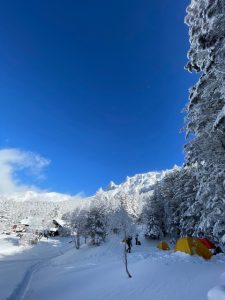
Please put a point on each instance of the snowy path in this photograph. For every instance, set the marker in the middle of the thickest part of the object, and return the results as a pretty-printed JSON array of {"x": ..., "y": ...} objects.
[
  {"x": 23, "y": 287},
  {"x": 18, "y": 264},
  {"x": 20, "y": 291}
]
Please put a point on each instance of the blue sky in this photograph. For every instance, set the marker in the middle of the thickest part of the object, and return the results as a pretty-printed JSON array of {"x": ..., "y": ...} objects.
[{"x": 95, "y": 87}]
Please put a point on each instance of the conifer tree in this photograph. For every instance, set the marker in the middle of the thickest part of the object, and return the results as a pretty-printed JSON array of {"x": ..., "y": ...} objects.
[{"x": 205, "y": 112}]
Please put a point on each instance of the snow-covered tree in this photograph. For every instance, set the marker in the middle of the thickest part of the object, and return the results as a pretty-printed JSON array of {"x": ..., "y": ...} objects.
[
  {"x": 153, "y": 214},
  {"x": 96, "y": 221},
  {"x": 120, "y": 218},
  {"x": 205, "y": 112},
  {"x": 75, "y": 220},
  {"x": 188, "y": 212}
]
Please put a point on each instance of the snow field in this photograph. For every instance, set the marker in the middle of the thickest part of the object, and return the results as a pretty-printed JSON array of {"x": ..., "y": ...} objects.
[{"x": 54, "y": 269}]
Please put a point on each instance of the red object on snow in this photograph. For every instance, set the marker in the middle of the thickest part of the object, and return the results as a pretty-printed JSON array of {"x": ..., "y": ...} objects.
[{"x": 207, "y": 243}]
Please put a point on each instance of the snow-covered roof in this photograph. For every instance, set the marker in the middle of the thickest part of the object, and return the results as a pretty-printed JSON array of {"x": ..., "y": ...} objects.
[
  {"x": 54, "y": 229},
  {"x": 27, "y": 221},
  {"x": 59, "y": 221}
]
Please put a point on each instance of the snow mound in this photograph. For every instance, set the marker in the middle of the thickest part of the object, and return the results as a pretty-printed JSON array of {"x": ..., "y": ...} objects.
[{"x": 217, "y": 293}]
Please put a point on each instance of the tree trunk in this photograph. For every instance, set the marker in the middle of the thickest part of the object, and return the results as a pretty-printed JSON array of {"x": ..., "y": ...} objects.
[
  {"x": 77, "y": 241},
  {"x": 125, "y": 256}
]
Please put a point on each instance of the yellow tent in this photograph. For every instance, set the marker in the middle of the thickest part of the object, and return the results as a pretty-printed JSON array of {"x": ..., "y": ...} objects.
[
  {"x": 192, "y": 246},
  {"x": 163, "y": 246}
]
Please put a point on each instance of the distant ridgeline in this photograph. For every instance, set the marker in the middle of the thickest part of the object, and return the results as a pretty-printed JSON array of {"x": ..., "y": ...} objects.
[{"x": 47, "y": 206}]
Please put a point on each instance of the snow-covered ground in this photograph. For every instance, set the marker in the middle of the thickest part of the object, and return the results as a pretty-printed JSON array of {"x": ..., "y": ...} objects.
[
  {"x": 54, "y": 269},
  {"x": 17, "y": 263}
]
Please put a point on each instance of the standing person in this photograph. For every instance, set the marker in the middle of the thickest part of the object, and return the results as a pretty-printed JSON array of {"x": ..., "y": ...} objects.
[
  {"x": 129, "y": 244},
  {"x": 136, "y": 240},
  {"x": 46, "y": 234}
]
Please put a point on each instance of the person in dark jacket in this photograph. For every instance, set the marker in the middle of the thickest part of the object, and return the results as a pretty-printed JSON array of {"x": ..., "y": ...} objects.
[
  {"x": 217, "y": 250},
  {"x": 129, "y": 243},
  {"x": 136, "y": 240}
]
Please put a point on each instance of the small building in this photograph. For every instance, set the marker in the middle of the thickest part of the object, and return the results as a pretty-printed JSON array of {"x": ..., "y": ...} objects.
[
  {"x": 33, "y": 223},
  {"x": 54, "y": 231},
  {"x": 18, "y": 228},
  {"x": 57, "y": 227}
]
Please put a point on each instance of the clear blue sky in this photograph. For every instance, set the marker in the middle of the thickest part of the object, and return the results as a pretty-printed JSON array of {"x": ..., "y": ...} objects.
[{"x": 97, "y": 87}]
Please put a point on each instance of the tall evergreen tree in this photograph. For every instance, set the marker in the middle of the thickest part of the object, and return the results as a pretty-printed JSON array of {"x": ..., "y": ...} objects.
[{"x": 205, "y": 112}]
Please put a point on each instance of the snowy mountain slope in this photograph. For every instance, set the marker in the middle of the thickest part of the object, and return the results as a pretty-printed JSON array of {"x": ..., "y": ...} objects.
[
  {"x": 44, "y": 206},
  {"x": 134, "y": 191},
  {"x": 17, "y": 206},
  {"x": 140, "y": 183}
]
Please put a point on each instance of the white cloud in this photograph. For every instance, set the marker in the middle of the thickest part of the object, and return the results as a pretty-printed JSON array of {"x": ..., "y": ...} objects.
[{"x": 14, "y": 160}]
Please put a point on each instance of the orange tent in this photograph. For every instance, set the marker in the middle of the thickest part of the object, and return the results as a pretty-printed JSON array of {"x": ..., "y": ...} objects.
[
  {"x": 207, "y": 243},
  {"x": 163, "y": 246},
  {"x": 192, "y": 246}
]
